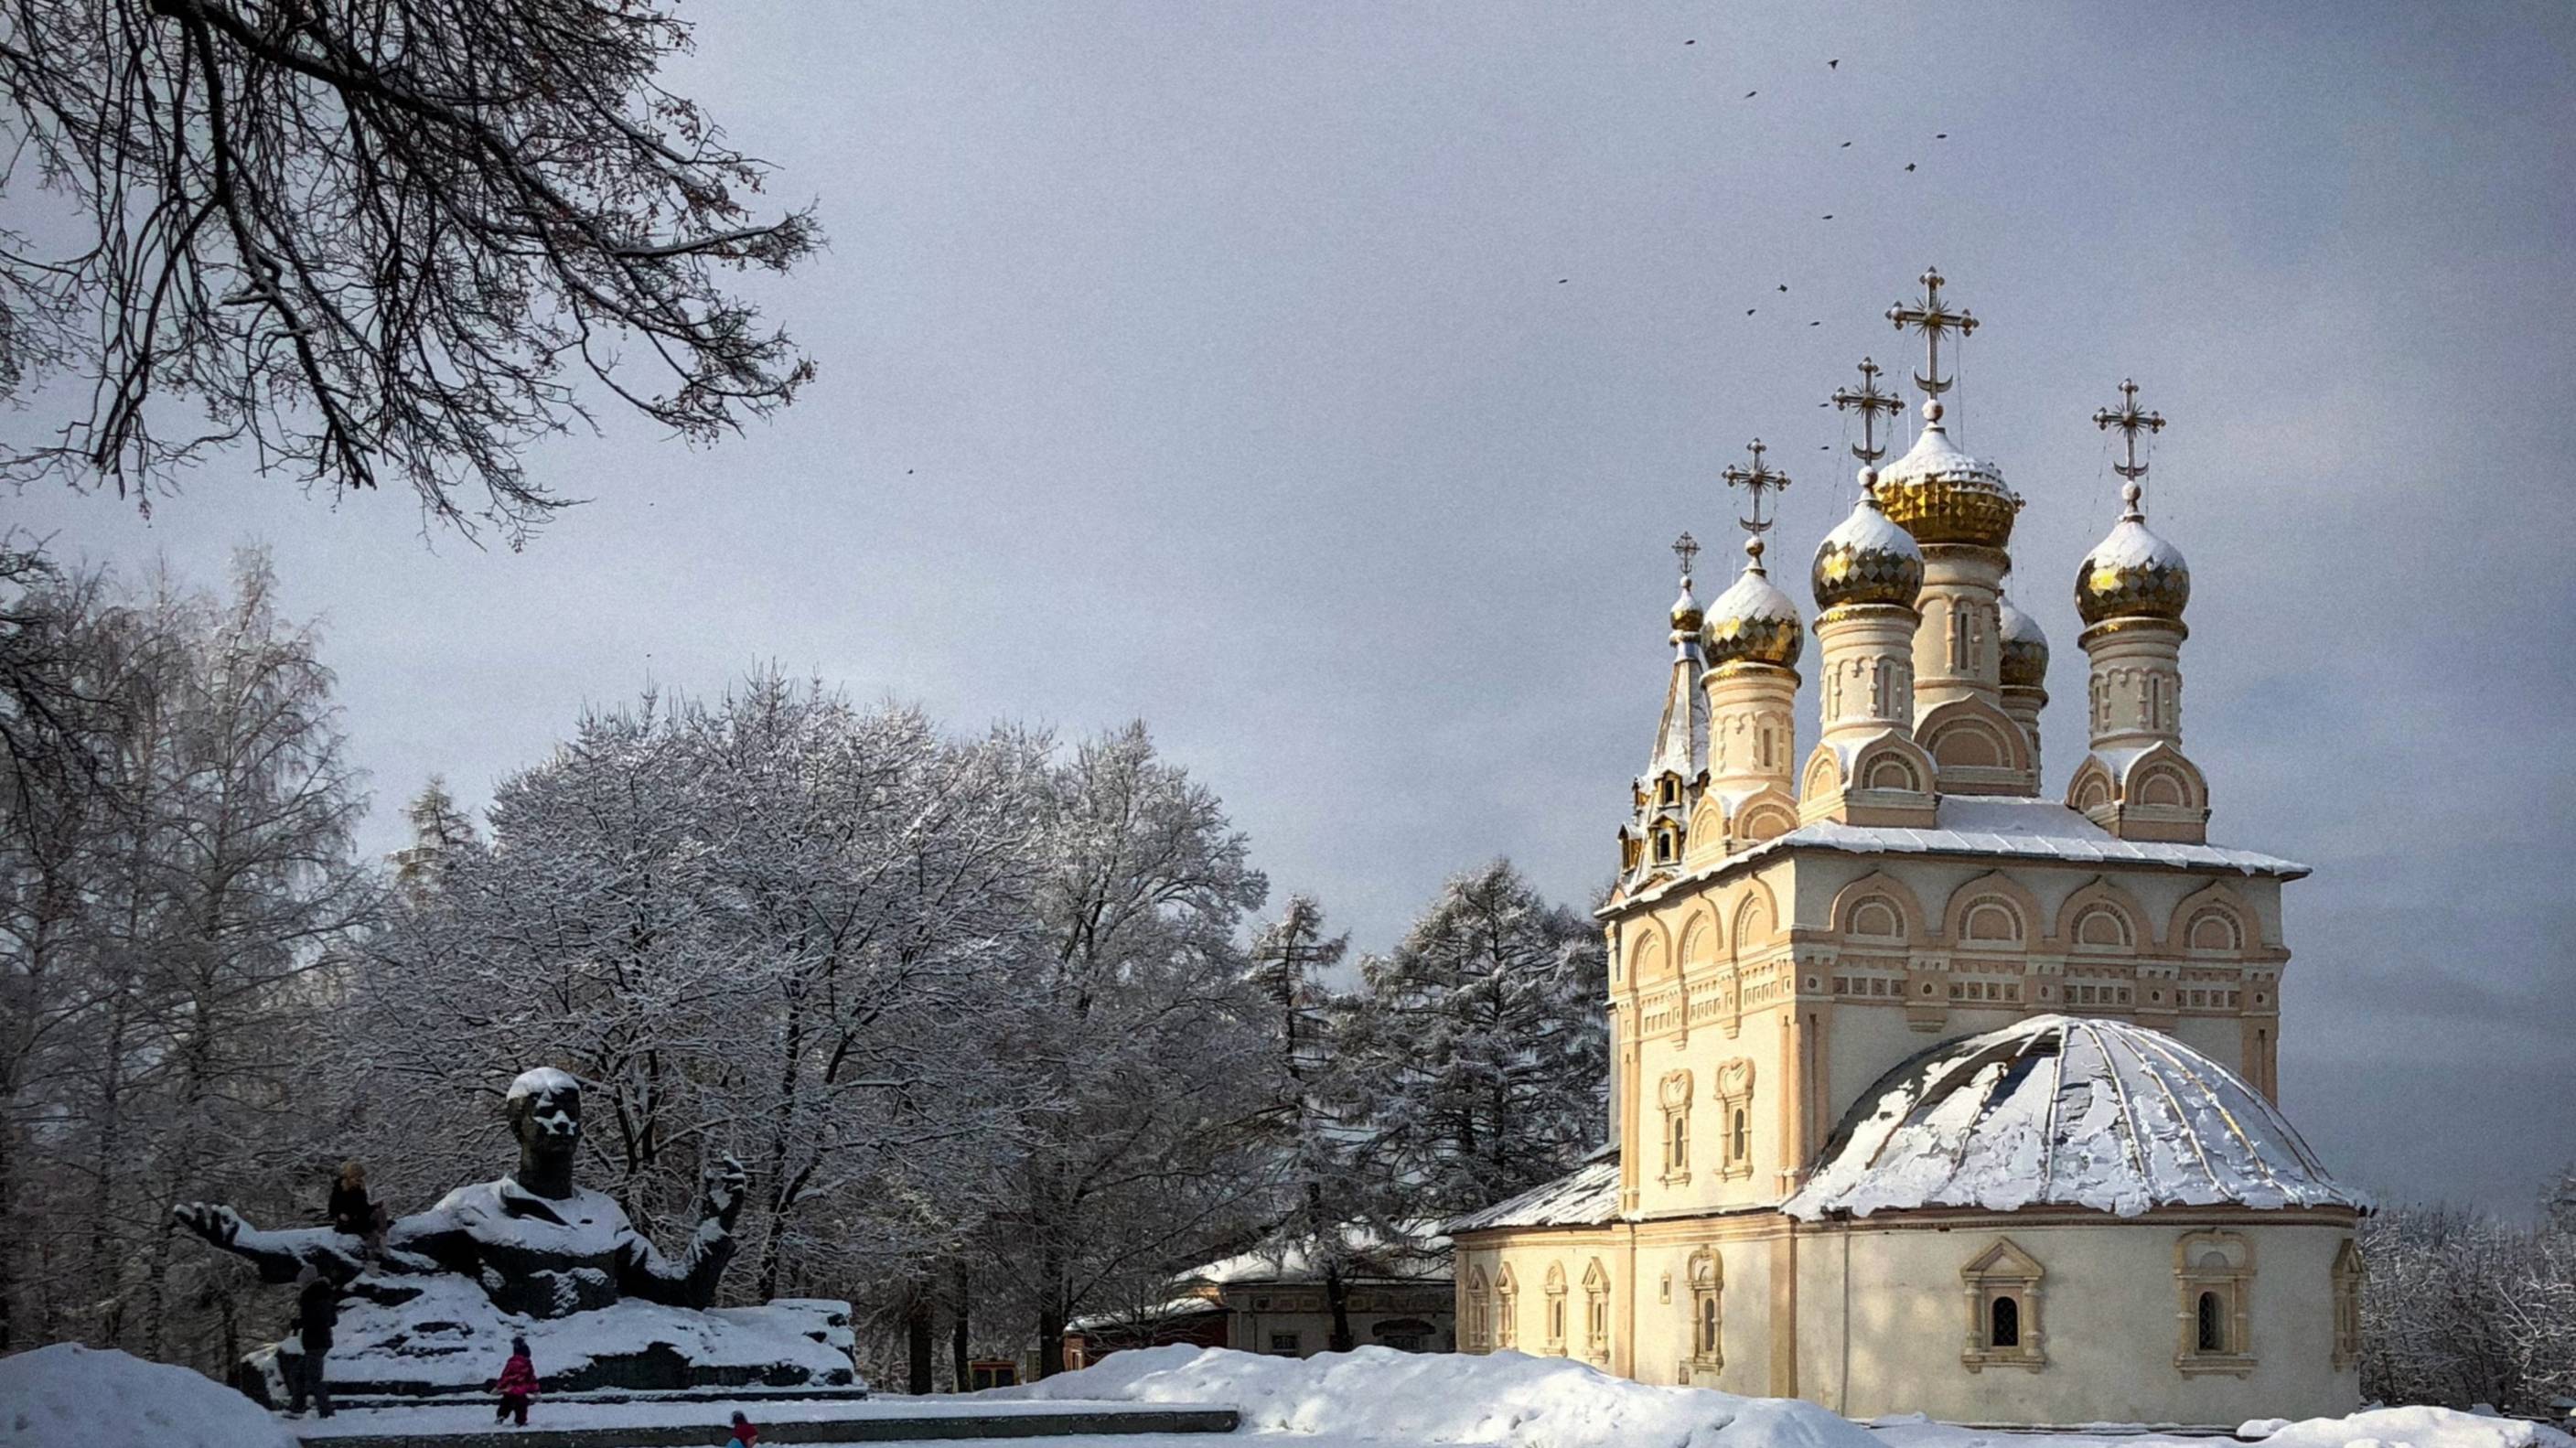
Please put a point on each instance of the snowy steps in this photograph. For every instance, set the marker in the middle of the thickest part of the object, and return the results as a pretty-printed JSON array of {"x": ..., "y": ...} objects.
[{"x": 868, "y": 1423}]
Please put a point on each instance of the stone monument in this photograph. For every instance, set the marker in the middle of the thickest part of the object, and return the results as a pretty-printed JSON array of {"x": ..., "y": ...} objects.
[{"x": 535, "y": 1256}]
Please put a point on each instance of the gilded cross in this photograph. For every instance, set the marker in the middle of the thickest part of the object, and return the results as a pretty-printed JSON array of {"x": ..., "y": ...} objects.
[
  {"x": 1871, "y": 403},
  {"x": 1686, "y": 548},
  {"x": 1932, "y": 316},
  {"x": 1757, "y": 481},
  {"x": 2129, "y": 421}
]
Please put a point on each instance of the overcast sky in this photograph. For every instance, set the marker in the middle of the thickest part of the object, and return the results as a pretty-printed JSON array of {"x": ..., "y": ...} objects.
[{"x": 1322, "y": 384}]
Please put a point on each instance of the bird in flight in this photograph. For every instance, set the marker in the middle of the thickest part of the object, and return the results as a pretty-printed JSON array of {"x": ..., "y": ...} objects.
[
  {"x": 1941, "y": 135},
  {"x": 1748, "y": 95},
  {"x": 1748, "y": 311},
  {"x": 1831, "y": 64},
  {"x": 1846, "y": 145},
  {"x": 1784, "y": 286},
  {"x": 1815, "y": 324},
  {"x": 1560, "y": 281},
  {"x": 1829, "y": 216},
  {"x": 1909, "y": 165}
]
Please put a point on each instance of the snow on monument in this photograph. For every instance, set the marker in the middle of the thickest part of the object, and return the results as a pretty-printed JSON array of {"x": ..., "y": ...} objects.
[{"x": 531, "y": 1254}]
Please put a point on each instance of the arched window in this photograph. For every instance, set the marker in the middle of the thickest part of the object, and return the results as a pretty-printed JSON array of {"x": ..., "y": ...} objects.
[
  {"x": 1507, "y": 1310},
  {"x": 1480, "y": 1312},
  {"x": 1556, "y": 1309},
  {"x": 1733, "y": 1088},
  {"x": 1673, "y": 1093},
  {"x": 2003, "y": 1295},
  {"x": 1707, "y": 1280},
  {"x": 2214, "y": 1272},
  {"x": 2347, "y": 1305},
  {"x": 1596, "y": 1312}
]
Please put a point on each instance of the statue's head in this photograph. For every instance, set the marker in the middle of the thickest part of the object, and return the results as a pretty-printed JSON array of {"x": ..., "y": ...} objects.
[{"x": 545, "y": 1114}]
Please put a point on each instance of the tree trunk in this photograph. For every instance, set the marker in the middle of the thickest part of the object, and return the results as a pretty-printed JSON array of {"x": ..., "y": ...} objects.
[
  {"x": 916, "y": 1332},
  {"x": 1050, "y": 1340},
  {"x": 791, "y": 1069},
  {"x": 1337, "y": 1296},
  {"x": 1051, "y": 1312},
  {"x": 9, "y": 1237},
  {"x": 960, "y": 1359}
]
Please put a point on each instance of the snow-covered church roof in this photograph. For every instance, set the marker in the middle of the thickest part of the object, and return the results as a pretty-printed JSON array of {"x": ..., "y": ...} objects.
[
  {"x": 2030, "y": 829},
  {"x": 2064, "y": 1111},
  {"x": 1584, "y": 1197}
]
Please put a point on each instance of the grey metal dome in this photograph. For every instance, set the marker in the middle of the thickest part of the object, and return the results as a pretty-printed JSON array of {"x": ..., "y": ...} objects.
[{"x": 2064, "y": 1111}]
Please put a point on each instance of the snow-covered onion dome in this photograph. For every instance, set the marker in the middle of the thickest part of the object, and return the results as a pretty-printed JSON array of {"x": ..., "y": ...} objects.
[
  {"x": 1867, "y": 559},
  {"x": 2064, "y": 1111},
  {"x": 1686, "y": 610},
  {"x": 2025, "y": 652},
  {"x": 1941, "y": 495},
  {"x": 2132, "y": 573},
  {"x": 1752, "y": 622}
]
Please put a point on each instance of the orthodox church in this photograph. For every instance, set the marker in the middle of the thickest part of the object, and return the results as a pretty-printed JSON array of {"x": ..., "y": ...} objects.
[{"x": 1930, "y": 1092}]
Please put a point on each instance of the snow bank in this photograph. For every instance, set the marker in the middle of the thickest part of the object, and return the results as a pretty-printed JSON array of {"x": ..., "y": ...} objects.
[
  {"x": 69, "y": 1396},
  {"x": 1504, "y": 1397},
  {"x": 2412, "y": 1428}
]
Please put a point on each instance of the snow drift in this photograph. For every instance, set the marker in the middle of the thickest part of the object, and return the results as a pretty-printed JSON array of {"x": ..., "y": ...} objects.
[
  {"x": 1504, "y": 1397},
  {"x": 2411, "y": 1428},
  {"x": 69, "y": 1396}
]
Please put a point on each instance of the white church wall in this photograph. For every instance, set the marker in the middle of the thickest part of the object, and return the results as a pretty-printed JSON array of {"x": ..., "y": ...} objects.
[{"x": 1884, "y": 1320}]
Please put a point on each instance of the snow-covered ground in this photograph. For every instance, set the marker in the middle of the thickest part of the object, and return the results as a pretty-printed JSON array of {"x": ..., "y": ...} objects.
[
  {"x": 1375, "y": 1394},
  {"x": 476, "y": 1416},
  {"x": 74, "y": 1397}
]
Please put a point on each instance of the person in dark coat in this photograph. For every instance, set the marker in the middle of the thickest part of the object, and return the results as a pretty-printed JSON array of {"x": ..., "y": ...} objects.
[
  {"x": 351, "y": 1212},
  {"x": 317, "y": 1310}
]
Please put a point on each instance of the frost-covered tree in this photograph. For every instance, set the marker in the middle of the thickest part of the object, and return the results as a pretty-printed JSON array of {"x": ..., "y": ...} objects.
[
  {"x": 2460, "y": 1307},
  {"x": 1481, "y": 1045},
  {"x": 1145, "y": 1048},
  {"x": 440, "y": 831},
  {"x": 178, "y": 891},
  {"x": 769, "y": 927},
  {"x": 1335, "y": 1204}
]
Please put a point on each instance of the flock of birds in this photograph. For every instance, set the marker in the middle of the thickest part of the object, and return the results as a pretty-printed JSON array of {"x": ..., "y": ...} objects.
[{"x": 1831, "y": 64}]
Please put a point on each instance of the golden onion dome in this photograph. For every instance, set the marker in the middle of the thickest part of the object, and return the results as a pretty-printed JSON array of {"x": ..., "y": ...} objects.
[
  {"x": 2025, "y": 651},
  {"x": 1941, "y": 495},
  {"x": 2132, "y": 573},
  {"x": 1867, "y": 559},
  {"x": 1752, "y": 622}
]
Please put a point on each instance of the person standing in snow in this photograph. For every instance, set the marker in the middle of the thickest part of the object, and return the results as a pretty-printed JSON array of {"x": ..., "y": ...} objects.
[
  {"x": 351, "y": 1212},
  {"x": 518, "y": 1383},
  {"x": 745, "y": 1434},
  {"x": 317, "y": 1310}
]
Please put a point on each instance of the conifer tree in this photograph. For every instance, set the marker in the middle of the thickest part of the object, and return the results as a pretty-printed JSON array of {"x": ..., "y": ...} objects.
[{"x": 1481, "y": 1044}]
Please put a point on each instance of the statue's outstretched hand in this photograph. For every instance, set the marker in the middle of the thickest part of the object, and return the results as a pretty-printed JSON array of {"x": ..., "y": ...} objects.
[
  {"x": 725, "y": 1181},
  {"x": 213, "y": 1221}
]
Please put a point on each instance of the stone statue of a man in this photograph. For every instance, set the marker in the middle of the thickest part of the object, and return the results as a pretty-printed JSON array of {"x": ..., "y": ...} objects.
[{"x": 535, "y": 1242}]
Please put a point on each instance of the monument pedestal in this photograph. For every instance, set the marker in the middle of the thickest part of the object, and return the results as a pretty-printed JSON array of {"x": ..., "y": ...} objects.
[{"x": 424, "y": 1337}]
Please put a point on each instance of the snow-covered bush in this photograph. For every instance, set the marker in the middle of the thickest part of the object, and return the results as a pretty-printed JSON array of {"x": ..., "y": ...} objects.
[{"x": 2462, "y": 1308}]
